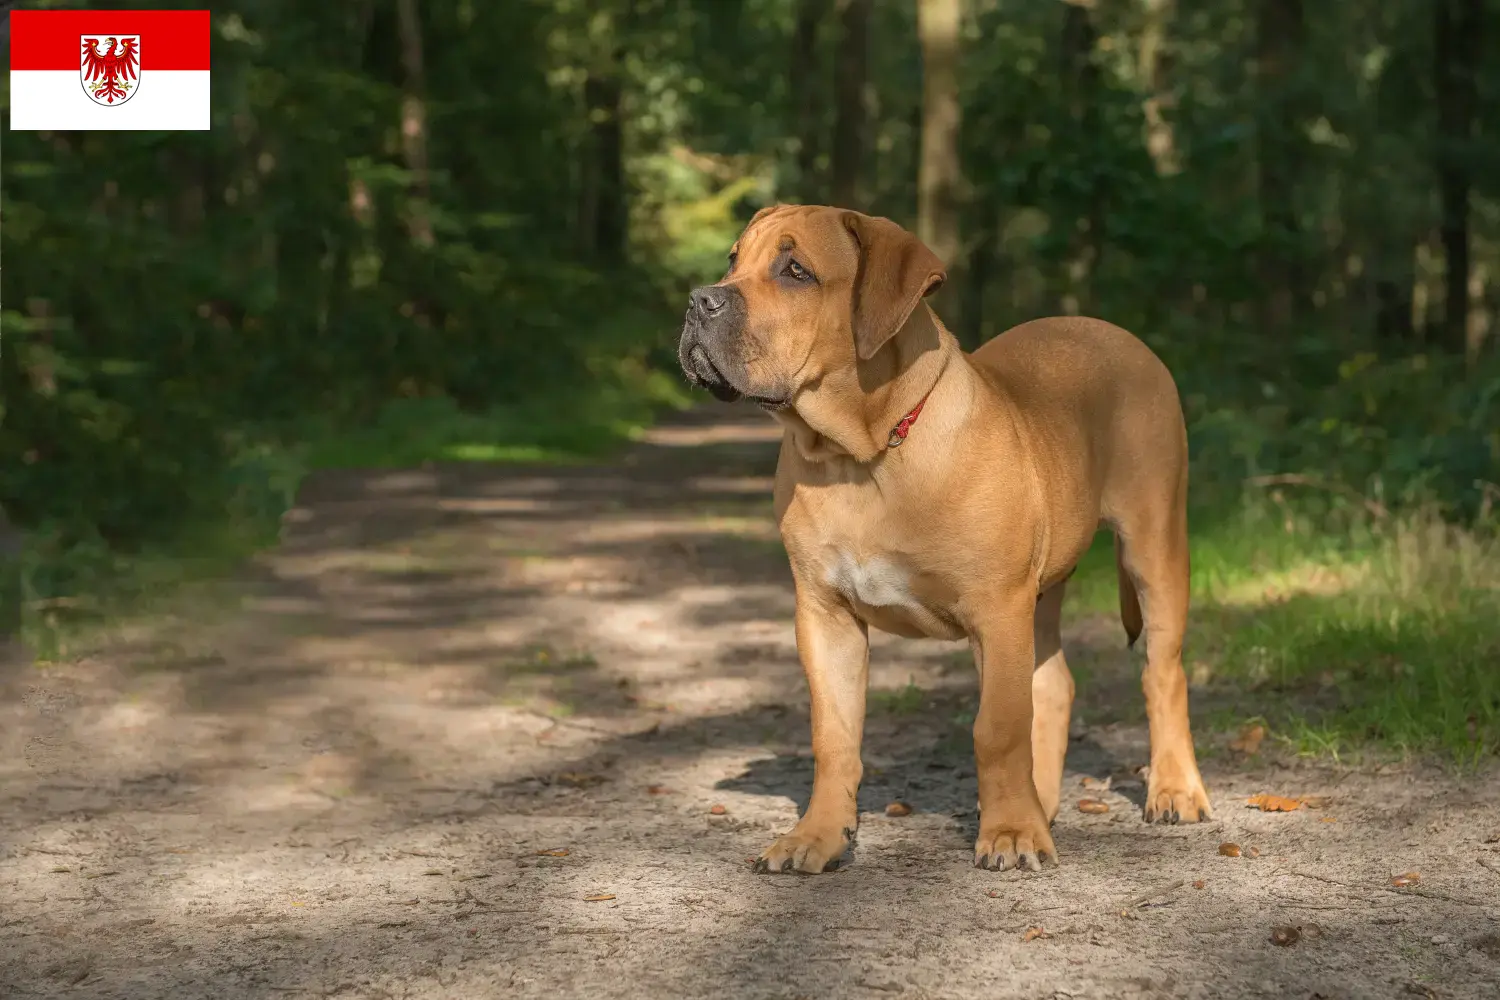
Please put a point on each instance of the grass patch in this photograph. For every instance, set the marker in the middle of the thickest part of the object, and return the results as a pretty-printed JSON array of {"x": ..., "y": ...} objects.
[
  {"x": 562, "y": 426},
  {"x": 907, "y": 700},
  {"x": 1379, "y": 635}
]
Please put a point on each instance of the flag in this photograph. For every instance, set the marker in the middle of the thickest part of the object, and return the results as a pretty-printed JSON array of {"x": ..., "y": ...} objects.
[{"x": 134, "y": 70}]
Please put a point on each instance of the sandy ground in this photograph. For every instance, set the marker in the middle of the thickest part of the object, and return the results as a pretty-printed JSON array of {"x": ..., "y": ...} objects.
[{"x": 479, "y": 732}]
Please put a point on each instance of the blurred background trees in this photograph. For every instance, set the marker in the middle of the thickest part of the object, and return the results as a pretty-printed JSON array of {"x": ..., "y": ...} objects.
[{"x": 486, "y": 203}]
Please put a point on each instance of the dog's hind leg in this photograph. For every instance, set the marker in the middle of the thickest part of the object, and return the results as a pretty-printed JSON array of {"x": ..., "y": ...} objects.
[
  {"x": 1051, "y": 701},
  {"x": 1154, "y": 556}
]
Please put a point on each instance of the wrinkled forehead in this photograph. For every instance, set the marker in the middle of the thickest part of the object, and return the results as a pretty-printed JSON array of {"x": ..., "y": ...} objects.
[{"x": 817, "y": 233}]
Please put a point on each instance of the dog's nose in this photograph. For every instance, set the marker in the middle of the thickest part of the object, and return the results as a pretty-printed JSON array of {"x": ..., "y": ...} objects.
[{"x": 708, "y": 300}]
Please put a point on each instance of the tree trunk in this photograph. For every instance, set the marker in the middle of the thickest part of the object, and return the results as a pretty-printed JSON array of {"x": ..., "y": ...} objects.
[
  {"x": 938, "y": 175},
  {"x": 604, "y": 208},
  {"x": 807, "y": 92},
  {"x": 850, "y": 68},
  {"x": 1280, "y": 31},
  {"x": 1456, "y": 47},
  {"x": 1155, "y": 76},
  {"x": 1080, "y": 84},
  {"x": 414, "y": 123}
]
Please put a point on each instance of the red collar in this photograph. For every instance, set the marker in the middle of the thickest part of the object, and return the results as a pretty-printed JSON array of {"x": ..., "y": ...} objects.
[{"x": 903, "y": 428}]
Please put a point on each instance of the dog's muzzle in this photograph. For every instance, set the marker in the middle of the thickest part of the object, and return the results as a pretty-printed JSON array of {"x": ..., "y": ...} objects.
[{"x": 715, "y": 316}]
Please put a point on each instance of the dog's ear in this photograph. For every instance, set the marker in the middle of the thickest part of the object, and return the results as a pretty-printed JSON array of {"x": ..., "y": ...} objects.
[{"x": 896, "y": 271}]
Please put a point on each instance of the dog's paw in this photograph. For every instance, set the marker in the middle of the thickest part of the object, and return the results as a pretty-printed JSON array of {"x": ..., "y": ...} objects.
[
  {"x": 1176, "y": 796},
  {"x": 1024, "y": 845},
  {"x": 807, "y": 850}
]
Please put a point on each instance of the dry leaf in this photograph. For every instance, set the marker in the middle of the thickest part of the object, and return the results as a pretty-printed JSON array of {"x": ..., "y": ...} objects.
[
  {"x": 1285, "y": 936},
  {"x": 898, "y": 809},
  {"x": 1254, "y": 852},
  {"x": 1250, "y": 738},
  {"x": 434, "y": 871},
  {"x": 1405, "y": 879},
  {"x": 1095, "y": 784},
  {"x": 558, "y": 852},
  {"x": 1032, "y": 933},
  {"x": 717, "y": 810},
  {"x": 60, "y": 870},
  {"x": 1092, "y": 806},
  {"x": 579, "y": 779},
  {"x": 600, "y": 898},
  {"x": 1198, "y": 884},
  {"x": 658, "y": 790},
  {"x": 1328, "y": 819},
  {"x": 1229, "y": 850},
  {"x": 1273, "y": 803}
]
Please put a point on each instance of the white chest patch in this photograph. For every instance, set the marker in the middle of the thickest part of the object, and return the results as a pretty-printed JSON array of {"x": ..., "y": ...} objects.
[{"x": 875, "y": 583}]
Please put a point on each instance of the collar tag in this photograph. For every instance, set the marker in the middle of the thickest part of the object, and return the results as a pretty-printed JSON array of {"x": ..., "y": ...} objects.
[{"x": 903, "y": 428}]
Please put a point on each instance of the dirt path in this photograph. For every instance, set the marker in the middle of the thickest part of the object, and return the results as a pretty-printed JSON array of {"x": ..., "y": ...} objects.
[{"x": 456, "y": 703}]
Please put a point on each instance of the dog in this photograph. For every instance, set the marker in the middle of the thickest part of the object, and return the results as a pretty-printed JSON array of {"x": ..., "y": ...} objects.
[{"x": 925, "y": 491}]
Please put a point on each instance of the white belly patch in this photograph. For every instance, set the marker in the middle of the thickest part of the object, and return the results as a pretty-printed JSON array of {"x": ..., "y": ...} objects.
[{"x": 875, "y": 583}]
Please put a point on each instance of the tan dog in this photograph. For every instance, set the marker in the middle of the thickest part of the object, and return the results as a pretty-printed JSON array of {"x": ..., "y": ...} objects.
[{"x": 928, "y": 492}]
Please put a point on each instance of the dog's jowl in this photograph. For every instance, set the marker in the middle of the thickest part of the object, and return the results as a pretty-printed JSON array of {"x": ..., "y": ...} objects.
[{"x": 928, "y": 492}]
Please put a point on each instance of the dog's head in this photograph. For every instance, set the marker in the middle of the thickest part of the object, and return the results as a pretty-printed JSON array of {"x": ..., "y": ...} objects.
[{"x": 810, "y": 291}]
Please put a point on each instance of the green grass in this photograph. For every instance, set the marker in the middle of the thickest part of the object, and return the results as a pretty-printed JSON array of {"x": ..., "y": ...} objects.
[
  {"x": 1370, "y": 636},
  {"x": 571, "y": 424},
  {"x": 907, "y": 700}
]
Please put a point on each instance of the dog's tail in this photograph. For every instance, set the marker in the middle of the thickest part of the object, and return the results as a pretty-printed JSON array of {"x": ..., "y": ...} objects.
[{"x": 1130, "y": 601}]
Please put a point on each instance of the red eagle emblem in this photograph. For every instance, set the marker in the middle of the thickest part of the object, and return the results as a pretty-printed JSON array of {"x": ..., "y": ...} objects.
[{"x": 111, "y": 72}]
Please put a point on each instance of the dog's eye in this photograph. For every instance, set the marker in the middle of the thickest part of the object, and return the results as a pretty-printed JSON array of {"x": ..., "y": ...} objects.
[
  {"x": 732, "y": 258},
  {"x": 795, "y": 271}
]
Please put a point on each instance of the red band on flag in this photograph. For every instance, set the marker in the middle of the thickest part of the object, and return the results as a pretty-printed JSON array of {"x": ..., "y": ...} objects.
[{"x": 51, "y": 39}]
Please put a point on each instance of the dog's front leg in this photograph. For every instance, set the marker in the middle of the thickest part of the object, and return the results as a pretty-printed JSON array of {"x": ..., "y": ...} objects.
[
  {"x": 835, "y": 649},
  {"x": 1013, "y": 827}
]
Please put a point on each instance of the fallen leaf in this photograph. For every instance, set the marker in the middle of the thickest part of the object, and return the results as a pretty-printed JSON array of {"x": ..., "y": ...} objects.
[
  {"x": 717, "y": 810},
  {"x": 298, "y": 902},
  {"x": 59, "y": 871},
  {"x": 1229, "y": 850},
  {"x": 1284, "y": 937},
  {"x": 556, "y": 852},
  {"x": 898, "y": 809},
  {"x": 658, "y": 790},
  {"x": 1198, "y": 884},
  {"x": 100, "y": 874},
  {"x": 1250, "y": 738},
  {"x": 1095, "y": 784},
  {"x": 600, "y": 898},
  {"x": 1273, "y": 803},
  {"x": 1032, "y": 933},
  {"x": 1092, "y": 806},
  {"x": 1254, "y": 852},
  {"x": 1405, "y": 879},
  {"x": 1328, "y": 819},
  {"x": 434, "y": 871},
  {"x": 580, "y": 779}
]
